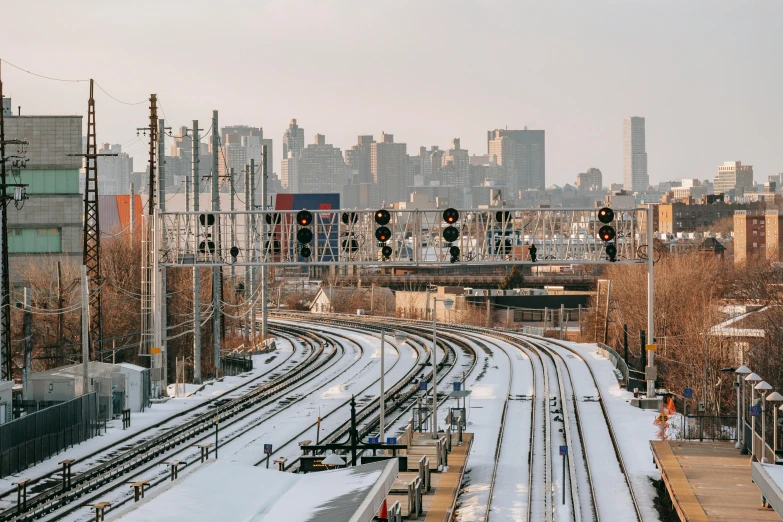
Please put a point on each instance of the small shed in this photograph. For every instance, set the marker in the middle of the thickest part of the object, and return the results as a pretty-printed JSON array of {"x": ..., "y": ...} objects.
[
  {"x": 137, "y": 386},
  {"x": 67, "y": 382}
]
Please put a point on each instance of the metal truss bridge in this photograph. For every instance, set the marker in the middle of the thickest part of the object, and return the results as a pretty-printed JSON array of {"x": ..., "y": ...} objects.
[{"x": 324, "y": 237}]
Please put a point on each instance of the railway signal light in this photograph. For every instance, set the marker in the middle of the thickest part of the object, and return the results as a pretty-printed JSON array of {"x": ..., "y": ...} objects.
[
  {"x": 383, "y": 234},
  {"x": 272, "y": 219},
  {"x": 450, "y": 234},
  {"x": 349, "y": 243},
  {"x": 382, "y": 217},
  {"x": 606, "y": 215},
  {"x": 304, "y": 218},
  {"x": 349, "y": 218},
  {"x": 454, "y": 251},
  {"x": 206, "y": 246},
  {"x": 532, "y": 250},
  {"x": 207, "y": 220},
  {"x": 611, "y": 253},
  {"x": 304, "y": 235},
  {"x": 450, "y": 216},
  {"x": 606, "y": 233},
  {"x": 234, "y": 252},
  {"x": 502, "y": 216}
]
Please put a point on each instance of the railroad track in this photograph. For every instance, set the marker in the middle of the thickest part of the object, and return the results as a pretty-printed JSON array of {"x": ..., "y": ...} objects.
[
  {"x": 49, "y": 479},
  {"x": 95, "y": 478}
]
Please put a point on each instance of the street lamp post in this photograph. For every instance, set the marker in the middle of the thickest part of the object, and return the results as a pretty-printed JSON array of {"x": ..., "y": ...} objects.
[
  {"x": 449, "y": 304},
  {"x": 763, "y": 387},
  {"x": 400, "y": 337},
  {"x": 740, "y": 372},
  {"x": 751, "y": 379},
  {"x": 774, "y": 397}
]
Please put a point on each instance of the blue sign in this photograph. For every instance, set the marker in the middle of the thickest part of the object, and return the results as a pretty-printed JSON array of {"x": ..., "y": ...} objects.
[
  {"x": 755, "y": 411},
  {"x": 688, "y": 393},
  {"x": 457, "y": 386},
  {"x": 391, "y": 440},
  {"x": 564, "y": 450},
  {"x": 423, "y": 385},
  {"x": 373, "y": 440},
  {"x": 268, "y": 449}
]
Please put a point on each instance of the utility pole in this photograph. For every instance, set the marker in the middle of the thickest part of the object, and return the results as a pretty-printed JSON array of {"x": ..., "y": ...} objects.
[
  {"x": 248, "y": 292},
  {"x": 264, "y": 268},
  {"x": 650, "y": 369},
  {"x": 60, "y": 347},
  {"x": 28, "y": 342},
  {"x": 150, "y": 306},
  {"x": 216, "y": 270},
  {"x": 162, "y": 322},
  {"x": 132, "y": 208},
  {"x": 232, "y": 222},
  {"x": 85, "y": 331},
  {"x": 196, "y": 269},
  {"x": 6, "y": 366}
]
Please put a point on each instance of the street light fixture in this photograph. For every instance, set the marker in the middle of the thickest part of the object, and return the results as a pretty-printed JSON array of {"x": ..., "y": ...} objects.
[
  {"x": 774, "y": 397},
  {"x": 740, "y": 372},
  {"x": 763, "y": 387},
  {"x": 751, "y": 379},
  {"x": 400, "y": 337},
  {"x": 333, "y": 460},
  {"x": 449, "y": 304}
]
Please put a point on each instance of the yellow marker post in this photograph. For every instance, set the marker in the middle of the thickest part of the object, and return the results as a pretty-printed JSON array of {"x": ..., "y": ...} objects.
[{"x": 651, "y": 347}]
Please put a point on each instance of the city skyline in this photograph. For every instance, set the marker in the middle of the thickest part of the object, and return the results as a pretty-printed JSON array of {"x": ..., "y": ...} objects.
[{"x": 595, "y": 65}]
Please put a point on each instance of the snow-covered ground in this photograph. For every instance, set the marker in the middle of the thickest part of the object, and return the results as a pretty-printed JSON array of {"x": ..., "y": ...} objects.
[
  {"x": 634, "y": 429},
  {"x": 105, "y": 446}
]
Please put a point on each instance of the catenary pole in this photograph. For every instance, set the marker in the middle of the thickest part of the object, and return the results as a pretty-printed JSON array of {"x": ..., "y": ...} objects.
[
  {"x": 216, "y": 312},
  {"x": 650, "y": 295},
  {"x": 196, "y": 270},
  {"x": 264, "y": 179}
]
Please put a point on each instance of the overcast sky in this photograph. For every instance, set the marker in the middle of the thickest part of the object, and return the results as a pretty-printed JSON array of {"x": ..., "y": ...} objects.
[{"x": 705, "y": 74}]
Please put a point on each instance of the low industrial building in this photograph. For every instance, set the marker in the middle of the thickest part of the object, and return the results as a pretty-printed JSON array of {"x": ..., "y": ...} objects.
[
  {"x": 515, "y": 307},
  {"x": 118, "y": 386}
]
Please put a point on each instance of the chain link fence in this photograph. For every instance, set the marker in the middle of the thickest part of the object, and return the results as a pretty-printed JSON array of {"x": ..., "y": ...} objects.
[{"x": 33, "y": 438}]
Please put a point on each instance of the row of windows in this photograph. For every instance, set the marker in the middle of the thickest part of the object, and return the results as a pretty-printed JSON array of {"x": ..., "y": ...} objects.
[{"x": 34, "y": 240}]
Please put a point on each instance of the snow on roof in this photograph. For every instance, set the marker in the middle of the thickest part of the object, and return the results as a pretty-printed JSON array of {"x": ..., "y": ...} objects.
[
  {"x": 725, "y": 329},
  {"x": 222, "y": 490},
  {"x": 133, "y": 367}
]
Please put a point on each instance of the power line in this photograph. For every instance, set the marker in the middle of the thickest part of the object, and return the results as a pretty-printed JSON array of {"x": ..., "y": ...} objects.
[
  {"x": 117, "y": 100},
  {"x": 41, "y": 75}
]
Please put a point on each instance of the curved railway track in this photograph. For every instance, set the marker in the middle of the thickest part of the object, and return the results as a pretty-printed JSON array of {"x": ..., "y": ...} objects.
[
  {"x": 551, "y": 364},
  {"x": 95, "y": 478}
]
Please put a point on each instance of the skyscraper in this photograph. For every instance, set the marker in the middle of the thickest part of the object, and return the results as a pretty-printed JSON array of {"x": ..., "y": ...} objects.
[
  {"x": 358, "y": 158},
  {"x": 635, "y": 177},
  {"x": 321, "y": 168},
  {"x": 522, "y": 154},
  {"x": 293, "y": 139},
  {"x": 389, "y": 167}
]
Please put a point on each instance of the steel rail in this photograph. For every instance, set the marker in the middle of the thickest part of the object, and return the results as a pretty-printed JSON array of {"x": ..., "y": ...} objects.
[
  {"x": 233, "y": 436},
  {"x": 96, "y": 477},
  {"x": 202, "y": 405}
]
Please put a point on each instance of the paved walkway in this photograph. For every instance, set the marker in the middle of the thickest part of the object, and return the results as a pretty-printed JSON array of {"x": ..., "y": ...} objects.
[{"x": 710, "y": 481}]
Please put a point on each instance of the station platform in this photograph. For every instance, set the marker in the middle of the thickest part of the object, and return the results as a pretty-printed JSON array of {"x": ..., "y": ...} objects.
[
  {"x": 430, "y": 494},
  {"x": 709, "y": 481}
]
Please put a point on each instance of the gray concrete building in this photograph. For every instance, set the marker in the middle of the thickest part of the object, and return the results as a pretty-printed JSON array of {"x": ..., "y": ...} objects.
[
  {"x": 522, "y": 154},
  {"x": 47, "y": 227},
  {"x": 389, "y": 167}
]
